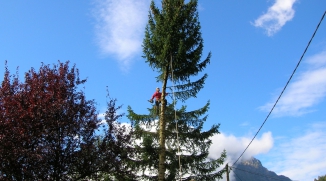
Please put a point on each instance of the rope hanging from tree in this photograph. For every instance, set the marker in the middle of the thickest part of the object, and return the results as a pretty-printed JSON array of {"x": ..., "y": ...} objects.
[{"x": 176, "y": 123}]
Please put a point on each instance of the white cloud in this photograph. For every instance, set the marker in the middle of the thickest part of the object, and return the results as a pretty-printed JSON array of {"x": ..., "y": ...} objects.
[
  {"x": 120, "y": 27},
  {"x": 306, "y": 91},
  {"x": 302, "y": 158},
  {"x": 151, "y": 126},
  {"x": 276, "y": 16},
  {"x": 234, "y": 146}
]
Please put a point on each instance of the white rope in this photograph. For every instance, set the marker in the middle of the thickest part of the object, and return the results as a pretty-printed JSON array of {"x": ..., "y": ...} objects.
[{"x": 176, "y": 123}]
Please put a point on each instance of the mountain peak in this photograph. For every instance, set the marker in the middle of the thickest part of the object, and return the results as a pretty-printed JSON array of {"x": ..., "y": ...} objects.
[
  {"x": 252, "y": 162},
  {"x": 253, "y": 170}
]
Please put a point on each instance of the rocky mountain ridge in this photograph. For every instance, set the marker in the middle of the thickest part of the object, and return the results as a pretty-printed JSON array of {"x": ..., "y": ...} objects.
[{"x": 253, "y": 170}]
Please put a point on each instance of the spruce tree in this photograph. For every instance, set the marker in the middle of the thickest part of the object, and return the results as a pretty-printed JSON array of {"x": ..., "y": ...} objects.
[{"x": 173, "y": 47}]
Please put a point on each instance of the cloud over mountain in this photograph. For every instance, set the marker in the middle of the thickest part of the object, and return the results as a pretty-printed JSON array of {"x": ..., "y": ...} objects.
[{"x": 234, "y": 146}]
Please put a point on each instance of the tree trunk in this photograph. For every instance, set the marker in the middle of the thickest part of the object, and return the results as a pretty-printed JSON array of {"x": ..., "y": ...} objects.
[
  {"x": 227, "y": 172},
  {"x": 162, "y": 127}
]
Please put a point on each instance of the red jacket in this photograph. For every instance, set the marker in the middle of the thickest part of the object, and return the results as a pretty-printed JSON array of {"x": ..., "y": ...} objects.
[{"x": 157, "y": 95}]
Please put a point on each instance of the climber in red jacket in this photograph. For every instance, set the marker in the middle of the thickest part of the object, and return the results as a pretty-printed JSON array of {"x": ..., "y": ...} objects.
[{"x": 157, "y": 95}]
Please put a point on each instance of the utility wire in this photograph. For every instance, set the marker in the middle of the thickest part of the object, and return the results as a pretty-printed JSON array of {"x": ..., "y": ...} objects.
[
  {"x": 256, "y": 173},
  {"x": 282, "y": 90}
]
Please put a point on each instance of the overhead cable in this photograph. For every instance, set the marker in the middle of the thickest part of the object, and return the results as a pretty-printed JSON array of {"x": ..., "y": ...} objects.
[{"x": 283, "y": 89}]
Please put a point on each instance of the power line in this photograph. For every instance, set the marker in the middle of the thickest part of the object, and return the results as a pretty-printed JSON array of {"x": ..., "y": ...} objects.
[
  {"x": 256, "y": 173},
  {"x": 283, "y": 89}
]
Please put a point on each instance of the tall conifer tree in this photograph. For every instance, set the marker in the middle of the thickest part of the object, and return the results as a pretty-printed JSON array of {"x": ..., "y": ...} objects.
[{"x": 173, "y": 47}]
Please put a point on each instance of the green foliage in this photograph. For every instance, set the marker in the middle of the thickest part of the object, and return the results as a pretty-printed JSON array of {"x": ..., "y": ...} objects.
[
  {"x": 194, "y": 144},
  {"x": 173, "y": 47},
  {"x": 173, "y": 41},
  {"x": 321, "y": 178}
]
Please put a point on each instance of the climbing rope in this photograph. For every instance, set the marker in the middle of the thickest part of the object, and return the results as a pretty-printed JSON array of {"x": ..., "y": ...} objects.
[{"x": 176, "y": 123}]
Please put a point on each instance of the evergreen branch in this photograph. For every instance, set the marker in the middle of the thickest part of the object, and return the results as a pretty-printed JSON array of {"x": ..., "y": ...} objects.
[{"x": 190, "y": 89}]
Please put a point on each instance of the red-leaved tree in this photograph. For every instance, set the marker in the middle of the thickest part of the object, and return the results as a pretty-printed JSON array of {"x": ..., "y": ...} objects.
[{"x": 47, "y": 128}]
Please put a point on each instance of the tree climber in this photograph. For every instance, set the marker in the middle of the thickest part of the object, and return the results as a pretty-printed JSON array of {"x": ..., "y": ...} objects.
[{"x": 157, "y": 95}]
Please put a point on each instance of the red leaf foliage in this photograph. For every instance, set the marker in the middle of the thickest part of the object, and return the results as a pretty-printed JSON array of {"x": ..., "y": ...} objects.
[{"x": 47, "y": 127}]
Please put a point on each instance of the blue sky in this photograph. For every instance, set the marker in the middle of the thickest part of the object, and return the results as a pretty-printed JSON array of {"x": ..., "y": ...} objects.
[{"x": 255, "y": 47}]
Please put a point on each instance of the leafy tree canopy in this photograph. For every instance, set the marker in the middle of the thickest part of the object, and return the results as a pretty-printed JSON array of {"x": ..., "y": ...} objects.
[{"x": 47, "y": 128}]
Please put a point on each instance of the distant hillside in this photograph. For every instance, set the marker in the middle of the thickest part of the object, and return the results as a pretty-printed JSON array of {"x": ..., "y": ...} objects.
[{"x": 253, "y": 170}]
